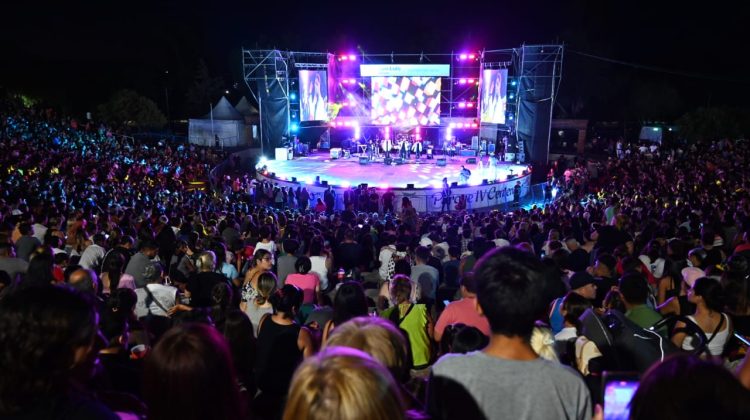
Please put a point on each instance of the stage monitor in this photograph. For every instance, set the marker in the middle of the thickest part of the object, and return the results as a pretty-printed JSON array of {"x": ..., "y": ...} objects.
[
  {"x": 313, "y": 95},
  {"x": 405, "y": 101},
  {"x": 494, "y": 96}
]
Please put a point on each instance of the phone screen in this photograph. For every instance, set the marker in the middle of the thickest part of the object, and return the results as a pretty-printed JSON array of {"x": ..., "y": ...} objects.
[{"x": 617, "y": 396}]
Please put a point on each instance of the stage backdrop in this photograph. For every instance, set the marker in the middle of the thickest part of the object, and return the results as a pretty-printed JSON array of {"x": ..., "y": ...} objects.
[{"x": 477, "y": 197}]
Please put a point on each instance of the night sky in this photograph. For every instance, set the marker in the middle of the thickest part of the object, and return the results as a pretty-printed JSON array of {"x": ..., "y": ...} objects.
[{"x": 76, "y": 54}]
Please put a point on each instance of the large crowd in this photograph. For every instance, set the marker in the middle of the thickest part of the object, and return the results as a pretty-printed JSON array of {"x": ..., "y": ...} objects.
[{"x": 126, "y": 291}]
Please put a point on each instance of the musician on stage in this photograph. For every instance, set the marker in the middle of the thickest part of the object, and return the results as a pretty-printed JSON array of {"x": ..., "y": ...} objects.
[
  {"x": 417, "y": 148},
  {"x": 464, "y": 175},
  {"x": 446, "y": 196},
  {"x": 500, "y": 148},
  {"x": 452, "y": 148},
  {"x": 370, "y": 150},
  {"x": 404, "y": 150},
  {"x": 387, "y": 145}
]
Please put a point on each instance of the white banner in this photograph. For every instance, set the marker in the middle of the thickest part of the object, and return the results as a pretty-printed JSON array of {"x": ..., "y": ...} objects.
[{"x": 375, "y": 70}]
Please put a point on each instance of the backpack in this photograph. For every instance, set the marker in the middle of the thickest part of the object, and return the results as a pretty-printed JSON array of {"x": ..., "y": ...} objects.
[{"x": 624, "y": 345}]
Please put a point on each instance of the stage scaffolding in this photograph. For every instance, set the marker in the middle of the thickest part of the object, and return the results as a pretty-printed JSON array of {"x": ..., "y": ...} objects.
[{"x": 271, "y": 77}]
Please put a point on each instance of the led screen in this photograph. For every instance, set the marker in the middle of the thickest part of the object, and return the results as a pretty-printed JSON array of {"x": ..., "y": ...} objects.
[
  {"x": 494, "y": 91},
  {"x": 406, "y": 101},
  {"x": 313, "y": 95}
]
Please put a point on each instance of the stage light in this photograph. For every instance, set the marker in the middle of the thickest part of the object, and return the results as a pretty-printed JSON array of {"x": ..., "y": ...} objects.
[
  {"x": 474, "y": 182},
  {"x": 339, "y": 123},
  {"x": 352, "y": 57},
  {"x": 344, "y": 57},
  {"x": 470, "y": 104},
  {"x": 308, "y": 180},
  {"x": 452, "y": 125},
  {"x": 463, "y": 56},
  {"x": 345, "y": 184},
  {"x": 462, "y": 81},
  {"x": 293, "y": 128},
  {"x": 655, "y": 128},
  {"x": 352, "y": 103},
  {"x": 384, "y": 186},
  {"x": 512, "y": 82},
  {"x": 263, "y": 160},
  {"x": 511, "y": 96},
  {"x": 462, "y": 104},
  {"x": 470, "y": 80},
  {"x": 293, "y": 96},
  {"x": 332, "y": 123},
  {"x": 352, "y": 81},
  {"x": 357, "y": 132},
  {"x": 449, "y": 133},
  {"x": 510, "y": 117},
  {"x": 347, "y": 124},
  {"x": 460, "y": 125},
  {"x": 474, "y": 125},
  {"x": 471, "y": 56}
]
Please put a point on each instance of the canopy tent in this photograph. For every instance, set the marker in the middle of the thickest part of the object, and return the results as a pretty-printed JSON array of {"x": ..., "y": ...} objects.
[
  {"x": 223, "y": 126},
  {"x": 245, "y": 108}
]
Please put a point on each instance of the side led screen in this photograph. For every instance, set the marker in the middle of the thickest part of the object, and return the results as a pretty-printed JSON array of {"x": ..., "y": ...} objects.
[
  {"x": 313, "y": 95},
  {"x": 494, "y": 96}
]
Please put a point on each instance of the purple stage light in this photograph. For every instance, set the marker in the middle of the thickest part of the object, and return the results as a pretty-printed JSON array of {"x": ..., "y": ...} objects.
[
  {"x": 462, "y": 104},
  {"x": 471, "y": 56},
  {"x": 352, "y": 57},
  {"x": 460, "y": 125},
  {"x": 463, "y": 56},
  {"x": 470, "y": 104},
  {"x": 462, "y": 81}
]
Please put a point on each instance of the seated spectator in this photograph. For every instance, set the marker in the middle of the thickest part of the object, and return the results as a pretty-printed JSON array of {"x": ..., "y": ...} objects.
[
  {"x": 463, "y": 311},
  {"x": 189, "y": 375},
  {"x": 696, "y": 389},
  {"x": 706, "y": 294},
  {"x": 305, "y": 280},
  {"x": 261, "y": 305},
  {"x": 635, "y": 291},
  {"x": 48, "y": 349},
  {"x": 462, "y": 338},
  {"x": 509, "y": 290},
  {"x": 582, "y": 283},
  {"x": 343, "y": 383},
  {"x": 350, "y": 302},
  {"x": 413, "y": 318}
]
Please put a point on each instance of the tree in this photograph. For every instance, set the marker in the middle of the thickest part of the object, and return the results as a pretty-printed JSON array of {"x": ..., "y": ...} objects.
[
  {"x": 714, "y": 123},
  {"x": 204, "y": 90},
  {"x": 127, "y": 107}
]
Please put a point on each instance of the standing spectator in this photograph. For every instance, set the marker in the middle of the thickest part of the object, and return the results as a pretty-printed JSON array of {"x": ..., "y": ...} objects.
[
  {"x": 287, "y": 259},
  {"x": 413, "y": 318},
  {"x": 26, "y": 243},
  {"x": 463, "y": 311},
  {"x": 93, "y": 255},
  {"x": 140, "y": 260}
]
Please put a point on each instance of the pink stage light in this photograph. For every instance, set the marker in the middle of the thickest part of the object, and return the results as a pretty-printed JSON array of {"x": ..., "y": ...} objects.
[
  {"x": 344, "y": 57},
  {"x": 339, "y": 123},
  {"x": 352, "y": 103},
  {"x": 474, "y": 125},
  {"x": 352, "y": 57},
  {"x": 452, "y": 125},
  {"x": 463, "y": 56},
  {"x": 352, "y": 81},
  {"x": 347, "y": 124},
  {"x": 384, "y": 186},
  {"x": 471, "y": 80},
  {"x": 471, "y": 56},
  {"x": 462, "y": 104},
  {"x": 460, "y": 125},
  {"x": 462, "y": 81},
  {"x": 470, "y": 104}
]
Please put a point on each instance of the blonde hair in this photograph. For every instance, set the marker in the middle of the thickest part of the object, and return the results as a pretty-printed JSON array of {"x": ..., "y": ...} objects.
[
  {"x": 343, "y": 383},
  {"x": 543, "y": 343},
  {"x": 378, "y": 338}
]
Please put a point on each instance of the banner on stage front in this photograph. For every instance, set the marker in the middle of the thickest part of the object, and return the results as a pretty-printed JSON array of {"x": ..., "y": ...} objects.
[{"x": 386, "y": 70}]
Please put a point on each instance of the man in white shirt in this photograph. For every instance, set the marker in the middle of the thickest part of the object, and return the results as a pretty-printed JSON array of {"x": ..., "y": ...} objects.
[{"x": 155, "y": 297}]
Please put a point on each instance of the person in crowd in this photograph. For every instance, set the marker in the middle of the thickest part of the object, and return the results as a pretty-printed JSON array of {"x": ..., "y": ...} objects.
[
  {"x": 305, "y": 280},
  {"x": 635, "y": 291},
  {"x": 238, "y": 330},
  {"x": 463, "y": 311},
  {"x": 680, "y": 303},
  {"x": 266, "y": 243},
  {"x": 260, "y": 305},
  {"x": 261, "y": 263},
  {"x": 334, "y": 383},
  {"x": 707, "y": 295},
  {"x": 696, "y": 389},
  {"x": 137, "y": 264},
  {"x": 113, "y": 276},
  {"x": 509, "y": 294},
  {"x": 350, "y": 302},
  {"x": 10, "y": 263},
  {"x": 582, "y": 283},
  {"x": 281, "y": 344},
  {"x": 321, "y": 261},
  {"x": 48, "y": 349},
  {"x": 413, "y": 318},
  {"x": 93, "y": 255},
  {"x": 202, "y": 283},
  {"x": 191, "y": 354},
  {"x": 287, "y": 260}
]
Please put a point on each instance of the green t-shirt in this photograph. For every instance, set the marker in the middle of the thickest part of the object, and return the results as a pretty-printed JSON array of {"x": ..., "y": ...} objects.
[{"x": 415, "y": 325}]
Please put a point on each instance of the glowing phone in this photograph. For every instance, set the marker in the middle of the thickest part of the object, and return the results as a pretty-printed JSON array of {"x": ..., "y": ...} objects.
[{"x": 619, "y": 388}]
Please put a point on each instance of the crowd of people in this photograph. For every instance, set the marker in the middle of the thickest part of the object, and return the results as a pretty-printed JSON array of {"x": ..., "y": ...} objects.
[{"x": 126, "y": 292}]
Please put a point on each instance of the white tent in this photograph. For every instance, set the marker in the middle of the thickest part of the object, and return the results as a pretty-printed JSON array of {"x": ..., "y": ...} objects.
[
  {"x": 244, "y": 108},
  {"x": 223, "y": 122}
]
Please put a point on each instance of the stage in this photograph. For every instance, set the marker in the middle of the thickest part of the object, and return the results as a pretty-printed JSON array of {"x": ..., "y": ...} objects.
[
  {"x": 425, "y": 173},
  {"x": 489, "y": 184}
]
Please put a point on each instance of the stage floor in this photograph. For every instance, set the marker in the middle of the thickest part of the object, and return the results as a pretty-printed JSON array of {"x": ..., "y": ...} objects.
[{"x": 345, "y": 172}]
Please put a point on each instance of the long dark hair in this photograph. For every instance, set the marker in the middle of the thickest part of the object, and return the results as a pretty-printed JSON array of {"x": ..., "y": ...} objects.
[
  {"x": 40, "y": 330},
  {"x": 190, "y": 375},
  {"x": 238, "y": 330},
  {"x": 350, "y": 302}
]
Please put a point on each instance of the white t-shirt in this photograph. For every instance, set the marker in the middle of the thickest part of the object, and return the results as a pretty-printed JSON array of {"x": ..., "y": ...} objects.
[
  {"x": 319, "y": 268},
  {"x": 270, "y": 247},
  {"x": 166, "y": 296}
]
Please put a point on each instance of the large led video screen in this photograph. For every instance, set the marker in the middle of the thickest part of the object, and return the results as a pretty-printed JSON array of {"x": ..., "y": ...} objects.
[
  {"x": 405, "y": 101},
  {"x": 494, "y": 96},
  {"x": 313, "y": 95}
]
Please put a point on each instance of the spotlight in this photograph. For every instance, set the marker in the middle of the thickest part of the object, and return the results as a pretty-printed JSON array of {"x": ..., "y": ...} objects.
[
  {"x": 463, "y": 57},
  {"x": 460, "y": 125},
  {"x": 470, "y": 104},
  {"x": 510, "y": 117},
  {"x": 462, "y": 81},
  {"x": 293, "y": 96},
  {"x": 453, "y": 125},
  {"x": 263, "y": 160},
  {"x": 470, "y": 80},
  {"x": 344, "y": 57},
  {"x": 511, "y": 96},
  {"x": 462, "y": 104},
  {"x": 294, "y": 127},
  {"x": 512, "y": 82},
  {"x": 352, "y": 57},
  {"x": 471, "y": 56},
  {"x": 474, "y": 125}
]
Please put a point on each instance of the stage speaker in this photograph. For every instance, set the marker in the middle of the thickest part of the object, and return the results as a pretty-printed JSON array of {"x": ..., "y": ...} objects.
[
  {"x": 399, "y": 161},
  {"x": 454, "y": 184},
  {"x": 363, "y": 160},
  {"x": 294, "y": 179},
  {"x": 511, "y": 176},
  {"x": 388, "y": 160},
  {"x": 468, "y": 152},
  {"x": 471, "y": 160},
  {"x": 409, "y": 186},
  {"x": 324, "y": 183},
  {"x": 441, "y": 161}
]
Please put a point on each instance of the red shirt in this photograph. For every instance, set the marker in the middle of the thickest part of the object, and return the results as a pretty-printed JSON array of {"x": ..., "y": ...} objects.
[
  {"x": 307, "y": 282},
  {"x": 465, "y": 312}
]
